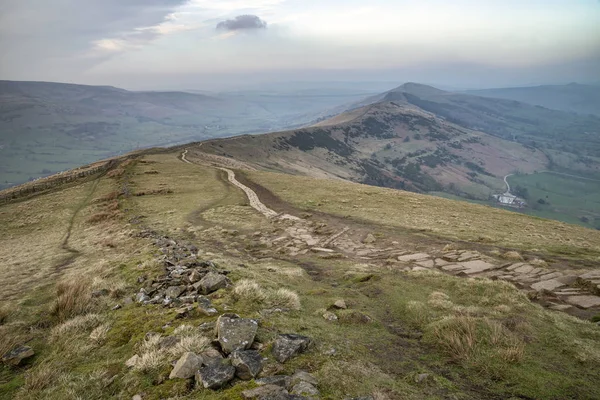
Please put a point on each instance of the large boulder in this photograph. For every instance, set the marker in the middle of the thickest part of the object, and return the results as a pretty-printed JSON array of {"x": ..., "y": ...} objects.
[
  {"x": 247, "y": 363},
  {"x": 17, "y": 355},
  {"x": 289, "y": 344},
  {"x": 235, "y": 333},
  {"x": 211, "y": 282},
  {"x": 174, "y": 291},
  {"x": 215, "y": 376},
  {"x": 186, "y": 366}
]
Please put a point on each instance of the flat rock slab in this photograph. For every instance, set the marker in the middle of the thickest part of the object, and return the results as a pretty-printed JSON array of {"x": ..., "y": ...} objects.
[
  {"x": 547, "y": 285},
  {"x": 591, "y": 275},
  {"x": 266, "y": 392},
  {"x": 523, "y": 269},
  {"x": 476, "y": 266},
  {"x": 584, "y": 301},
  {"x": 440, "y": 262},
  {"x": 453, "y": 267},
  {"x": 551, "y": 275},
  {"x": 425, "y": 264},
  {"x": 414, "y": 257}
]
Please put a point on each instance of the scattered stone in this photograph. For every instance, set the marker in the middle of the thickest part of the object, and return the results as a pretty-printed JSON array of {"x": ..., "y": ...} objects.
[
  {"x": 205, "y": 306},
  {"x": 547, "y": 285},
  {"x": 195, "y": 276},
  {"x": 550, "y": 276},
  {"x": 211, "y": 356},
  {"x": 186, "y": 366},
  {"x": 283, "y": 381},
  {"x": 211, "y": 282},
  {"x": 305, "y": 389},
  {"x": 174, "y": 291},
  {"x": 303, "y": 376},
  {"x": 235, "y": 333},
  {"x": 142, "y": 297},
  {"x": 207, "y": 327},
  {"x": 421, "y": 377},
  {"x": 15, "y": 356},
  {"x": 215, "y": 376},
  {"x": 247, "y": 363},
  {"x": 340, "y": 304},
  {"x": 137, "y": 397},
  {"x": 267, "y": 392},
  {"x": 467, "y": 255},
  {"x": 329, "y": 316},
  {"x": 116, "y": 307},
  {"x": 369, "y": 239},
  {"x": 584, "y": 301},
  {"x": 169, "y": 342},
  {"x": 288, "y": 345},
  {"x": 132, "y": 361},
  {"x": 321, "y": 250},
  {"x": 560, "y": 307}
]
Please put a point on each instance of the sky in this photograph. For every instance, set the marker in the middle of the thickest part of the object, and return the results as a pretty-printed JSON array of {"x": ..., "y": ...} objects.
[{"x": 230, "y": 44}]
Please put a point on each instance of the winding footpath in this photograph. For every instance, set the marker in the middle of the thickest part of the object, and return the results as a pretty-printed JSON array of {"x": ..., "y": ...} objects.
[
  {"x": 507, "y": 185},
  {"x": 251, "y": 194}
]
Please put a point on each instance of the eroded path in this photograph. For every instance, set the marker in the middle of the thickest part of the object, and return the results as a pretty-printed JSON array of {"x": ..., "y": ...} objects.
[{"x": 571, "y": 291}]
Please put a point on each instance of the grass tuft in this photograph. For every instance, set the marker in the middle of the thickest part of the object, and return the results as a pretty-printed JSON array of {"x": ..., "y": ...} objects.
[{"x": 73, "y": 297}]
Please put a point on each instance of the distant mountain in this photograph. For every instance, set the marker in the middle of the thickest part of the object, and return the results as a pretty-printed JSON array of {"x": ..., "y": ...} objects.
[
  {"x": 47, "y": 127},
  {"x": 424, "y": 139},
  {"x": 574, "y": 97}
]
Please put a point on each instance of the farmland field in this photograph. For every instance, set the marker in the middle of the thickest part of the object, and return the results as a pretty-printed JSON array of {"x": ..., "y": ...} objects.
[{"x": 563, "y": 197}]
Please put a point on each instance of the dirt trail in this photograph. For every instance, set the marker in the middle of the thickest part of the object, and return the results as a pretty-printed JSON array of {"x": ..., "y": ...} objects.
[{"x": 302, "y": 236}]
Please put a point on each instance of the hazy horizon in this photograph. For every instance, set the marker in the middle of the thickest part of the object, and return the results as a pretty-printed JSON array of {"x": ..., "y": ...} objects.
[{"x": 229, "y": 44}]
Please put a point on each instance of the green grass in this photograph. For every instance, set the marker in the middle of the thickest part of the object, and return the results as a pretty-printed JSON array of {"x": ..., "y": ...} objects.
[{"x": 569, "y": 199}]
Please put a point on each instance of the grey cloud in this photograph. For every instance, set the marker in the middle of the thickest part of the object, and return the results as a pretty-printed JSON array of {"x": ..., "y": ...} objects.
[
  {"x": 242, "y": 22},
  {"x": 36, "y": 32}
]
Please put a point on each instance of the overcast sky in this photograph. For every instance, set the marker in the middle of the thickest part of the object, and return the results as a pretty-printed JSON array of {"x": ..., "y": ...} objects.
[{"x": 221, "y": 44}]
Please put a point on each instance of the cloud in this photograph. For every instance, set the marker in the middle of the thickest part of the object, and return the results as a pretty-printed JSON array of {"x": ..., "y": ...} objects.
[{"x": 242, "y": 22}]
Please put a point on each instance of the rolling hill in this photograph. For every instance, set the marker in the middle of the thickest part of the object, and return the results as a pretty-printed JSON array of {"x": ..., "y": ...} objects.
[
  {"x": 48, "y": 127},
  {"x": 168, "y": 273},
  {"x": 574, "y": 97}
]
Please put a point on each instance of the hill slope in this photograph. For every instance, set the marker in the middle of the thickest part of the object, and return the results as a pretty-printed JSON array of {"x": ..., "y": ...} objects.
[
  {"x": 389, "y": 144},
  {"x": 49, "y": 127},
  {"x": 574, "y": 97},
  {"x": 112, "y": 277}
]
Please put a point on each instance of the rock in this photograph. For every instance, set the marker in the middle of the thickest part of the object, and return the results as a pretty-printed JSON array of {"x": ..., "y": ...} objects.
[
  {"x": 305, "y": 389},
  {"x": 279, "y": 380},
  {"x": 369, "y": 239},
  {"x": 211, "y": 356},
  {"x": 551, "y": 275},
  {"x": 547, "y": 285},
  {"x": 215, "y": 376},
  {"x": 288, "y": 345},
  {"x": 211, "y": 282},
  {"x": 567, "y": 279},
  {"x": 195, "y": 276},
  {"x": 142, "y": 297},
  {"x": 205, "y": 306},
  {"x": 137, "y": 397},
  {"x": 186, "y": 366},
  {"x": 206, "y": 327},
  {"x": 425, "y": 264},
  {"x": 584, "y": 301},
  {"x": 421, "y": 377},
  {"x": 267, "y": 392},
  {"x": 476, "y": 266},
  {"x": 303, "y": 376},
  {"x": 247, "y": 363},
  {"x": 340, "y": 305},
  {"x": 174, "y": 291},
  {"x": 15, "y": 356},
  {"x": 329, "y": 316},
  {"x": 235, "y": 333},
  {"x": 414, "y": 257},
  {"x": 523, "y": 269},
  {"x": 132, "y": 361},
  {"x": 168, "y": 342}
]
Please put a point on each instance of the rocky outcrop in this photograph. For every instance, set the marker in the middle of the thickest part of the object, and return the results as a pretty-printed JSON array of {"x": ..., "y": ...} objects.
[
  {"x": 186, "y": 366},
  {"x": 215, "y": 376},
  {"x": 248, "y": 364}
]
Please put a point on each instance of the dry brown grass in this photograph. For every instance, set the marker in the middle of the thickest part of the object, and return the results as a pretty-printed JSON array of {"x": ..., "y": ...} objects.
[
  {"x": 5, "y": 312},
  {"x": 512, "y": 256},
  {"x": 251, "y": 293},
  {"x": 103, "y": 216},
  {"x": 456, "y": 336},
  {"x": 41, "y": 377},
  {"x": 73, "y": 298}
]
